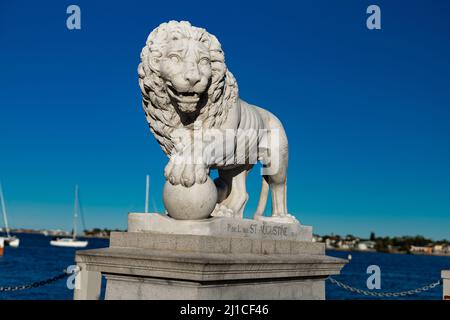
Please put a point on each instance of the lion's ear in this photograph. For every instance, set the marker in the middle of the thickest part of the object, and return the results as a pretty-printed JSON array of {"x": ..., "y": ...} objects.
[
  {"x": 153, "y": 63},
  {"x": 141, "y": 71},
  {"x": 206, "y": 42}
]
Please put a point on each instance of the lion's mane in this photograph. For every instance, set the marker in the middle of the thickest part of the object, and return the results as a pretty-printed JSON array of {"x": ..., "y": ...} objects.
[{"x": 161, "y": 114}]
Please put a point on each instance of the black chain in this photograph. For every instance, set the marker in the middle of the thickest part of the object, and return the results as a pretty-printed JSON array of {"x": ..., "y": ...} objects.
[
  {"x": 385, "y": 294},
  {"x": 334, "y": 281},
  {"x": 36, "y": 284}
]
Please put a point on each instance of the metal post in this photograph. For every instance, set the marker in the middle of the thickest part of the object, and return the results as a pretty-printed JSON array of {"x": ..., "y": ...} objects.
[
  {"x": 446, "y": 284},
  {"x": 75, "y": 214},
  {"x": 5, "y": 216},
  {"x": 87, "y": 284},
  {"x": 147, "y": 191}
]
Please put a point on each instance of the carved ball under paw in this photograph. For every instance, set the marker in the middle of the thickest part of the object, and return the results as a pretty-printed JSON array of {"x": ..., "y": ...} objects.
[{"x": 192, "y": 203}]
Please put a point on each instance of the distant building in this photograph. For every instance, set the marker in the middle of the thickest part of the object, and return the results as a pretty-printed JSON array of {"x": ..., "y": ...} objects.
[
  {"x": 350, "y": 242},
  {"x": 366, "y": 245},
  {"x": 346, "y": 244},
  {"x": 421, "y": 249},
  {"x": 441, "y": 249},
  {"x": 58, "y": 233},
  {"x": 328, "y": 243}
]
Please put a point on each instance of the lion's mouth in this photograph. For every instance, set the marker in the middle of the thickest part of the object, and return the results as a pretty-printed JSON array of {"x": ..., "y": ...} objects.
[{"x": 183, "y": 97}]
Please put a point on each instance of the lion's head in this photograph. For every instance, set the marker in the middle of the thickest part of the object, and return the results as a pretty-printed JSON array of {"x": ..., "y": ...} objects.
[{"x": 183, "y": 78}]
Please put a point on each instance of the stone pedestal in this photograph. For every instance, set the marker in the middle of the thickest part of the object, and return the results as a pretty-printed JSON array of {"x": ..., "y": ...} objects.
[
  {"x": 223, "y": 227},
  {"x": 219, "y": 258},
  {"x": 446, "y": 284}
]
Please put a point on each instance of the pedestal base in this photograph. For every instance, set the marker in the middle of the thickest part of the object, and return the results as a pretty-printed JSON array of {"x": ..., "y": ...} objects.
[
  {"x": 152, "y": 265},
  {"x": 127, "y": 288}
]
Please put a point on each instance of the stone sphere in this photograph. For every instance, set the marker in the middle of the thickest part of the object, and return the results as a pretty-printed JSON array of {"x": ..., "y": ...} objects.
[{"x": 193, "y": 203}]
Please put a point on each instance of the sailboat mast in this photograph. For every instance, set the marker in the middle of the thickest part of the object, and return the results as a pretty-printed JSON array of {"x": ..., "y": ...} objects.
[
  {"x": 75, "y": 213},
  {"x": 5, "y": 217},
  {"x": 147, "y": 191}
]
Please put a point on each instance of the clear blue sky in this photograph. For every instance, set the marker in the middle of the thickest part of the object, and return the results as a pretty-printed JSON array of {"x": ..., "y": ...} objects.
[{"x": 367, "y": 112}]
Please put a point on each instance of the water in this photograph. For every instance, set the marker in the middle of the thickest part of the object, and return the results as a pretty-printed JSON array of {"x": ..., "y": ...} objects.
[
  {"x": 36, "y": 260},
  {"x": 399, "y": 272}
]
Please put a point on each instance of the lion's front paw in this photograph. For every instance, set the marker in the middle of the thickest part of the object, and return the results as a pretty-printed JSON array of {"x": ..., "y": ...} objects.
[
  {"x": 222, "y": 211},
  {"x": 178, "y": 172}
]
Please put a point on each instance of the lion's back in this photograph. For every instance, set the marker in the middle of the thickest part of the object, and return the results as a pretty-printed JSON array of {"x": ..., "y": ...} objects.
[{"x": 254, "y": 117}]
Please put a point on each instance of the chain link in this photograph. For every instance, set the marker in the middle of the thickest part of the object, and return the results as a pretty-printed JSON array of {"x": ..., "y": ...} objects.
[
  {"x": 332, "y": 280},
  {"x": 386, "y": 294},
  {"x": 38, "y": 283}
]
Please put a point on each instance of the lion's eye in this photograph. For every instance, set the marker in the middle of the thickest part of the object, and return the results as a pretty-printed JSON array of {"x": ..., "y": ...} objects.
[
  {"x": 204, "y": 61},
  {"x": 174, "y": 58}
]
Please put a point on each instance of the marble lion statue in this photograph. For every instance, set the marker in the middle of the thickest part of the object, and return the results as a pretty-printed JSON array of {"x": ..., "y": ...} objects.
[{"x": 185, "y": 84}]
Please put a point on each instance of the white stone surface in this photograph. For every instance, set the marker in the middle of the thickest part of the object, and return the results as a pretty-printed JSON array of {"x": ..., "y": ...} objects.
[
  {"x": 87, "y": 284},
  {"x": 219, "y": 226},
  {"x": 141, "y": 273},
  {"x": 207, "y": 266},
  {"x": 210, "y": 259},
  {"x": 446, "y": 285},
  {"x": 128, "y": 288},
  {"x": 188, "y": 95},
  {"x": 203, "y": 244},
  {"x": 195, "y": 202}
]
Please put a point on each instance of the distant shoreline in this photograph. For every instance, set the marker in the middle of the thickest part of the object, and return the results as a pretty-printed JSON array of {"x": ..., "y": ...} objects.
[
  {"x": 54, "y": 235},
  {"x": 392, "y": 252},
  {"x": 105, "y": 234}
]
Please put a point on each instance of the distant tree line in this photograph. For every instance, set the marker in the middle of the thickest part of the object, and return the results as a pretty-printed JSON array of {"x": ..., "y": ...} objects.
[
  {"x": 389, "y": 244},
  {"x": 404, "y": 243},
  {"x": 100, "y": 232}
]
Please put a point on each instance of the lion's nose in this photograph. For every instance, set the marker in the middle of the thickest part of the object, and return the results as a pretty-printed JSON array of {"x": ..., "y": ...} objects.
[{"x": 192, "y": 76}]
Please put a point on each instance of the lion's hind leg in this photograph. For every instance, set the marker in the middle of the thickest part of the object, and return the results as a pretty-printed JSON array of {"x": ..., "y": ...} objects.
[
  {"x": 234, "y": 203},
  {"x": 275, "y": 163}
]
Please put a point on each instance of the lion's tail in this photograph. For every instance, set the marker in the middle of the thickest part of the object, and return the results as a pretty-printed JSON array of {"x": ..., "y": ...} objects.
[{"x": 262, "y": 197}]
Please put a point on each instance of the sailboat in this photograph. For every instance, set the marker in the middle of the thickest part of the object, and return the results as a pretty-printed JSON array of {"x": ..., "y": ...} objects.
[
  {"x": 9, "y": 240},
  {"x": 71, "y": 242}
]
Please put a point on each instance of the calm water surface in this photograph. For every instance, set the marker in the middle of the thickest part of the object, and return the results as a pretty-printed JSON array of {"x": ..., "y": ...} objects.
[
  {"x": 36, "y": 260},
  {"x": 399, "y": 272}
]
